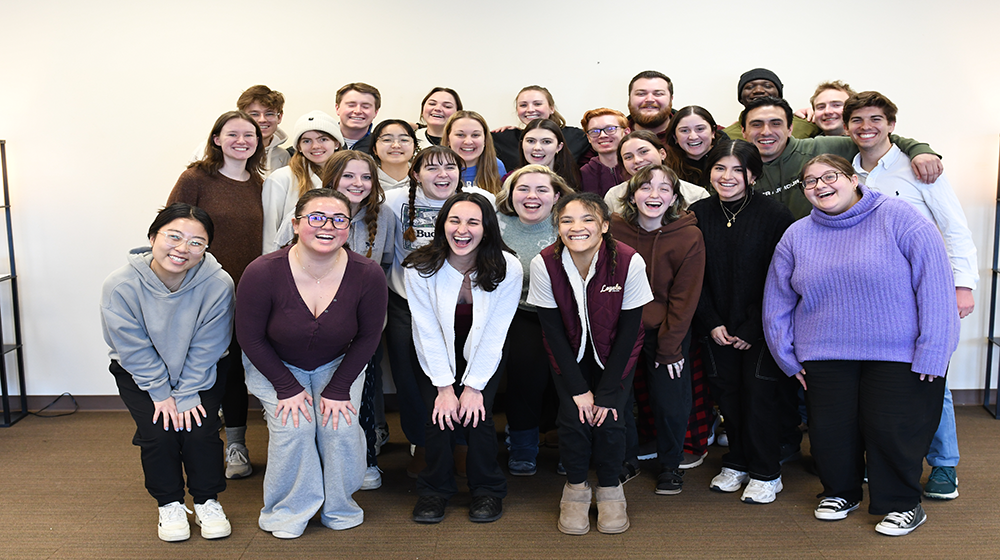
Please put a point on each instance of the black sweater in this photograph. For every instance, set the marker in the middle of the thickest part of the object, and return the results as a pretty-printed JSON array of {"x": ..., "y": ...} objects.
[{"x": 736, "y": 263}]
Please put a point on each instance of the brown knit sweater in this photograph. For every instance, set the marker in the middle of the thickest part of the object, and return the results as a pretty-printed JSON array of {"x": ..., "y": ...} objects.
[{"x": 236, "y": 211}]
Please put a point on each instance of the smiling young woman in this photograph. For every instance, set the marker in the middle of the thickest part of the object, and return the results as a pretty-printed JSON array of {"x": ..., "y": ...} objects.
[
  {"x": 316, "y": 138},
  {"x": 525, "y": 217},
  {"x": 593, "y": 349},
  {"x": 434, "y": 176},
  {"x": 227, "y": 183},
  {"x": 740, "y": 229},
  {"x": 167, "y": 317},
  {"x": 309, "y": 318},
  {"x": 536, "y": 102},
  {"x": 667, "y": 237},
  {"x": 463, "y": 290},
  {"x": 871, "y": 401}
]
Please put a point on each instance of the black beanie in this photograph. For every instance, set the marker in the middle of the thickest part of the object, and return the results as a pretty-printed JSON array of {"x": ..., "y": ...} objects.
[{"x": 759, "y": 74}]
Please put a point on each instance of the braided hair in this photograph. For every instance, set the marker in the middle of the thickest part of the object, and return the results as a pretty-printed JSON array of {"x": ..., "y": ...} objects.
[
  {"x": 333, "y": 170},
  {"x": 439, "y": 155}
]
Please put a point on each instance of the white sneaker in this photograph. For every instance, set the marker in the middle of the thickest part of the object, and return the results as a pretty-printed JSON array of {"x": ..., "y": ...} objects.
[
  {"x": 723, "y": 438},
  {"x": 238, "y": 461},
  {"x": 373, "y": 479},
  {"x": 761, "y": 491},
  {"x": 174, "y": 524},
  {"x": 729, "y": 480},
  {"x": 212, "y": 520}
]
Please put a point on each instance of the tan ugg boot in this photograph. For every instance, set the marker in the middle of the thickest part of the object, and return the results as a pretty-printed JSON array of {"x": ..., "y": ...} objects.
[
  {"x": 611, "y": 515},
  {"x": 574, "y": 510}
]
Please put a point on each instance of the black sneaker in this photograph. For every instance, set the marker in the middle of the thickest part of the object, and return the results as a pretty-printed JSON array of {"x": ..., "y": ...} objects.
[
  {"x": 899, "y": 523},
  {"x": 669, "y": 482},
  {"x": 429, "y": 509},
  {"x": 628, "y": 472},
  {"x": 485, "y": 509},
  {"x": 834, "y": 509}
]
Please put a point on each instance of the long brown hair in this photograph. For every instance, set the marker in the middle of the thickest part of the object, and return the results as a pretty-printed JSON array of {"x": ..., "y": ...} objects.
[
  {"x": 213, "y": 160},
  {"x": 487, "y": 172}
]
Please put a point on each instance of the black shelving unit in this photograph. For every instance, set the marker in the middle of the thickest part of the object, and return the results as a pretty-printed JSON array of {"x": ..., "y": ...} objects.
[
  {"x": 11, "y": 416},
  {"x": 990, "y": 400}
]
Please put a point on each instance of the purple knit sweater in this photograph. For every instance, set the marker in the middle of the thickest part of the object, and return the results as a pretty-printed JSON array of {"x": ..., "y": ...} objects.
[{"x": 871, "y": 284}]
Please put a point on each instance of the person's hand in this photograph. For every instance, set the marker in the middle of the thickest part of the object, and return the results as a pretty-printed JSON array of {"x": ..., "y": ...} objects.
[
  {"x": 674, "y": 369},
  {"x": 470, "y": 407},
  {"x": 927, "y": 167},
  {"x": 806, "y": 114},
  {"x": 601, "y": 413},
  {"x": 445, "y": 408},
  {"x": 293, "y": 405},
  {"x": 168, "y": 409},
  {"x": 502, "y": 128},
  {"x": 585, "y": 407},
  {"x": 966, "y": 302},
  {"x": 190, "y": 417},
  {"x": 721, "y": 336},
  {"x": 927, "y": 378},
  {"x": 331, "y": 409},
  {"x": 740, "y": 344},
  {"x": 801, "y": 376}
]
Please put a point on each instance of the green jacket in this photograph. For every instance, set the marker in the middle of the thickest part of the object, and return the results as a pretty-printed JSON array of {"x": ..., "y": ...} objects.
[
  {"x": 780, "y": 178},
  {"x": 801, "y": 128}
]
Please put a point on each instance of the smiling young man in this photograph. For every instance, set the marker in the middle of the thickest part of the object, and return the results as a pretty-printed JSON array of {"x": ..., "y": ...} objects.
[
  {"x": 264, "y": 105},
  {"x": 758, "y": 83},
  {"x": 766, "y": 124},
  {"x": 650, "y": 102},
  {"x": 357, "y": 106},
  {"x": 828, "y": 107},
  {"x": 871, "y": 118},
  {"x": 604, "y": 128}
]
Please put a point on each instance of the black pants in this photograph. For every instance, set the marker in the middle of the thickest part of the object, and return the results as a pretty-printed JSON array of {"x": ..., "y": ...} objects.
[
  {"x": 528, "y": 371},
  {"x": 747, "y": 386},
  {"x": 482, "y": 469},
  {"x": 405, "y": 369},
  {"x": 168, "y": 454},
  {"x": 671, "y": 401},
  {"x": 234, "y": 401},
  {"x": 874, "y": 412},
  {"x": 579, "y": 442}
]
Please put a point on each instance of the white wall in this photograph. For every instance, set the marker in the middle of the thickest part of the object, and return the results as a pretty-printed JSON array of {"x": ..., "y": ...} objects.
[{"x": 102, "y": 102}]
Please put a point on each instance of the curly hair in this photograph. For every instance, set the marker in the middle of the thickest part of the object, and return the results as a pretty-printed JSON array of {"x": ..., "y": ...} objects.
[{"x": 630, "y": 211}]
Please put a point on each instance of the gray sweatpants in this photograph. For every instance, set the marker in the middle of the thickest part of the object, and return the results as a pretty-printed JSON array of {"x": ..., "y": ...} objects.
[{"x": 312, "y": 466}]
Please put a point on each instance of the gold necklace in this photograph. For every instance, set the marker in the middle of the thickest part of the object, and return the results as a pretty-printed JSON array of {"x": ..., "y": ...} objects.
[
  {"x": 325, "y": 274},
  {"x": 731, "y": 216}
]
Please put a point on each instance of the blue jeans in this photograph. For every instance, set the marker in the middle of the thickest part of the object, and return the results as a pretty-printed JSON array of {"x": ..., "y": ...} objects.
[
  {"x": 312, "y": 466},
  {"x": 944, "y": 446}
]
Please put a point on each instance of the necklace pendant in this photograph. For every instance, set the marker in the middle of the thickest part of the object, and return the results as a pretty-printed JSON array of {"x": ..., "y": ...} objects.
[{"x": 729, "y": 223}]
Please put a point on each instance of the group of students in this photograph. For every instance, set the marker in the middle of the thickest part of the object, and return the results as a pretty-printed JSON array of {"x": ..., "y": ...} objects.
[{"x": 607, "y": 256}]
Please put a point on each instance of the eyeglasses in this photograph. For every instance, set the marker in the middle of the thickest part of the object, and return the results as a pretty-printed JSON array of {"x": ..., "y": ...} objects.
[
  {"x": 268, "y": 115},
  {"x": 596, "y": 132},
  {"x": 387, "y": 140},
  {"x": 318, "y": 220},
  {"x": 828, "y": 178},
  {"x": 196, "y": 246}
]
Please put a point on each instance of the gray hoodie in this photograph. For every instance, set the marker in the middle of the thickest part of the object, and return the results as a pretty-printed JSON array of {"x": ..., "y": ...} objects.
[{"x": 169, "y": 341}]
